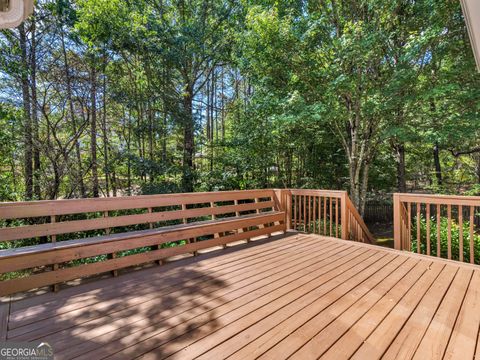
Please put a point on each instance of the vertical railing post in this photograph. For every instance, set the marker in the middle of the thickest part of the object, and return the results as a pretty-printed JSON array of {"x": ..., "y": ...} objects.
[
  {"x": 53, "y": 220},
  {"x": 288, "y": 208},
  {"x": 111, "y": 255},
  {"x": 344, "y": 215},
  {"x": 397, "y": 222}
]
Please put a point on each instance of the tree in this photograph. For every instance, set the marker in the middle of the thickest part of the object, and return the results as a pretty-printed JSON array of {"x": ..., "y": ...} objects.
[
  {"x": 116, "y": 97},
  {"x": 24, "y": 71}
]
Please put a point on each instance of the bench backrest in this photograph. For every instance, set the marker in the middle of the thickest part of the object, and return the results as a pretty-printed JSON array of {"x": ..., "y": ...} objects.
[{"x": 106, "y": 213}]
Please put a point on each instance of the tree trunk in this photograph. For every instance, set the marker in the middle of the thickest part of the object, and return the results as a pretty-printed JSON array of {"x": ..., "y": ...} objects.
[
  {"x": 436, "y": 160},
  {"x": 212, "y": 126},
  {"x": 188, "y": 141},
  {"x": 354, "y": 184},
  {"x": 79, "y": 172},
  {"x": 477, "y": 167},
  {"x": 222, "y": 94},
  {"x": 208, "y": 130},
  {"x": 35, "y": 125},
  {"x": 208, "y": 109},
  {"x": 359, "y": 184},
  {"x": 93, "y": 131},
  {"x": 151, "y": 144},
  {"x": 105, "y": 129},
  {"x": 56, "y": 181},
  {"x": 288, "y": 168},
  {"x": 114, "y": 182},
  {"x": 364, "y": 189},
  {"x": 164, "y": 139},
  {"x": 28, "y": 157},
  {"x": 399, "y": 150},
  {"x": 129, "y": 161}
]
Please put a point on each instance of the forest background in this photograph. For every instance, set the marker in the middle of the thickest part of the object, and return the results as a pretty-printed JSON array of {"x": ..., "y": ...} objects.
[{"x": 118, "y": 97}]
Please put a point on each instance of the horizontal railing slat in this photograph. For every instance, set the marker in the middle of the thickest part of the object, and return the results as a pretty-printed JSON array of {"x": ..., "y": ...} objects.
[
  {"x": 311, "y": 192},
  {"x": 441, "y": 199},
  {"x": 33, "y": 209}
]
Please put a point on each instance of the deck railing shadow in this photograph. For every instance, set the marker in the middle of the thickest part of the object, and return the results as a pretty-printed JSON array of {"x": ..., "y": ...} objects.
[{"x": 170, "y": 300}]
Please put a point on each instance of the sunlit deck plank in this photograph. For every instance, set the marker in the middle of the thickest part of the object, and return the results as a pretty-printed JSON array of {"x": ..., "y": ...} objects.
[
  {"x": 406, "y": 342},
  {"x": 466, "y": 329},
  {"x": 436, "y": 339},
  {"x": 294, "y": 332}
]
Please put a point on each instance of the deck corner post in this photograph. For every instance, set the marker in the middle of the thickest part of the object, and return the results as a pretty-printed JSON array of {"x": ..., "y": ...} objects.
[
  {"x": 344, "y": 215},
  {"x": 280, "y": 199},
  {"x": 397, "y": 213}
]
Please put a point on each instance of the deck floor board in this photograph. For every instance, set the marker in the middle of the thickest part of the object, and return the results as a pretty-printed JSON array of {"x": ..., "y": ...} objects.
[
  {"x": 466, "y": 328},
  {"x": 293, "y": 296}
]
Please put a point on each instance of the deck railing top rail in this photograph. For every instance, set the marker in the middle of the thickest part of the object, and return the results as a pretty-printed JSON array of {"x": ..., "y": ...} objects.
[
  {"x": 27, "y": 209},
  {"x": 315, "y": 192},
  {"x": 438, "y": 199}
]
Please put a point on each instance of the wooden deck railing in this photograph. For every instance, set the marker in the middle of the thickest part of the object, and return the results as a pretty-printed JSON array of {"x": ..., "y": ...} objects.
[
  {"x": 437, "y": 225},
  {"x": 325, "y": 212},
  {"x": 52, "y": 242},
  {"x": 61, "y": 240}
]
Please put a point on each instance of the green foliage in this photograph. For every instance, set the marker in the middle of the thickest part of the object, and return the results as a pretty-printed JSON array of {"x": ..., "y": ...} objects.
[
  {"x": 292, "y": 94},
  {"x": 321, "y": 227},
  {"x": 455, "y": 239},
  {"x": 160, "y": 188},
  {"x": 273, "y": 94},
  {"x": 10, "y": 189}
]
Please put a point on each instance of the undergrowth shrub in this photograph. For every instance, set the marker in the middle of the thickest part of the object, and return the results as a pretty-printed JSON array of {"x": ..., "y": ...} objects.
[{"x": 455, "y": 239}]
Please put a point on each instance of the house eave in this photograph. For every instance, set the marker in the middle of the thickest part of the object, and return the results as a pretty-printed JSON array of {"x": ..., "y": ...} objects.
[{"x": 471, "y": 12}]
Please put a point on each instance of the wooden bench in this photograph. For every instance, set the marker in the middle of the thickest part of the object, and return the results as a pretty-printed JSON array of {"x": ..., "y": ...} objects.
[{"x": 217, "y": 218}]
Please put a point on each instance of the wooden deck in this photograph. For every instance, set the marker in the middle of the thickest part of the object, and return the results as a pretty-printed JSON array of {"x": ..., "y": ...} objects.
[{"x": 297, "y": 296}]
